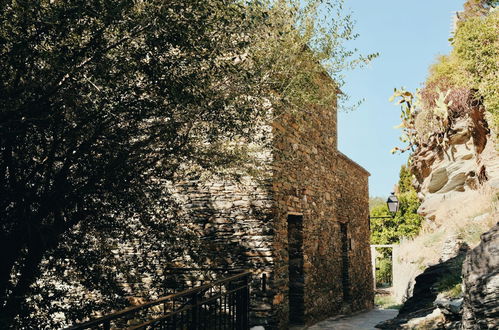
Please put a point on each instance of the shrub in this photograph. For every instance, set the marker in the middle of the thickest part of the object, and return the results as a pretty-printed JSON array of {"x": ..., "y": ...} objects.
[
  {"x": 384, "y": 271},
  {"x": 406, "y": 223},
  {"x": 465, "y": 78},
  {"x": 476, "y": 47}
]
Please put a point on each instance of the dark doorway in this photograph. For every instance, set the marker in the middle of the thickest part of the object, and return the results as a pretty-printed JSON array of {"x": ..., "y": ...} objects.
[
  {"x": 295, "y": 267},
  {"x": 345, "y": 247}
]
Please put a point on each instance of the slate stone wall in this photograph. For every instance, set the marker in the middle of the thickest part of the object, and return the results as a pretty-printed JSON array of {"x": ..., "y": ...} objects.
[
  {"x": 246, "y": 223},
  {"x": 312, "y": 179},
  {"x": 352, "y": 200},
  {"x": 235, "y": 221}
]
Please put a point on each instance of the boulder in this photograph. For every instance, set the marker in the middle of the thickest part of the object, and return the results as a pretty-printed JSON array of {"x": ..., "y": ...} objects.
[
  {"x": 450, "y": 307},
  {"x": 425, "y": 293},
  {"x": 438, "y": 180},
  {"x": 434, "y": 320},
  {"x": 481, "y": 283},
  {"x": 453, "y": 246}
]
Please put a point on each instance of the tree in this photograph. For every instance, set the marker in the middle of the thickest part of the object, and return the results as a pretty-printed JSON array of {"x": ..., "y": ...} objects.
[
  {"x": 406, "y": 223},
  {"x": 390, "y": 230},
  {"x": 376, "y": 201},
  {"x": 474, "y": 8},
  {"x": 102, "y": 102}
]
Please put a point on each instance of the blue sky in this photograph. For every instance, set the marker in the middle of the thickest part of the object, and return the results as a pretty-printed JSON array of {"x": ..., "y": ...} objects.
[{"x": 408, "y": 35}]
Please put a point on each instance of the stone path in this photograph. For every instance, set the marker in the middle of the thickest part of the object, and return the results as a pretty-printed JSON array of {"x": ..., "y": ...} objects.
[{"x": 362, "y": 321}]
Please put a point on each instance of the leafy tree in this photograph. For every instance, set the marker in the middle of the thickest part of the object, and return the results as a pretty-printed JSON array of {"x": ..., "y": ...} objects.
[
  {"x": 408, "y": 117},
  {"x": 390, "y": 230},
  {"x": 473, "y": 8},
  {"x": 100, "y": 101},
  {"x": 103, "y": 103},
  {"x": 406, "y": 223},
  {"x": 476, "y": 59},
  {"x": 405, "y": 180},
  {"x": 376, "y": 201}
]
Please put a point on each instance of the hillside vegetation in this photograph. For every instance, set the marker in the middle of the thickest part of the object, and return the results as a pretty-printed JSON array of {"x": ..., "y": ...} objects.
[{"x": 450, "y": 127}]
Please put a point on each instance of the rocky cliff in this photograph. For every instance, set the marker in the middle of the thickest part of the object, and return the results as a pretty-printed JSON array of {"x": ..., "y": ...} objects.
[
  {"x": 453, "y": 170},
  {"x": 456, "y": 174},
  {"x": 481, "y": 284},
  {"x": 451, "y": 125}
]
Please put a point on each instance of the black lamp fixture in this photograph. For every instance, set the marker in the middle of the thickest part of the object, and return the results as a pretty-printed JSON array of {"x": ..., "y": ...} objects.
[
  {"x": 393, "y": 203},
  {"x": 393, "y": 206}
]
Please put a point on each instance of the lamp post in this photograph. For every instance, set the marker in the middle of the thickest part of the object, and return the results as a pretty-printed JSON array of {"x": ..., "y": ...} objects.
[
  {"x": 393, "y": 206},
  {"x": 393, "y": 203}
]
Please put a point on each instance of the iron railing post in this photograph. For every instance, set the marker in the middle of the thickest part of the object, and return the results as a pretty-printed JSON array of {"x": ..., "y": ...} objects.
[
  {"x": 195, "y": 312},
  {"x": 223, "y": 303},
  {"x": 245, "y": 293}
]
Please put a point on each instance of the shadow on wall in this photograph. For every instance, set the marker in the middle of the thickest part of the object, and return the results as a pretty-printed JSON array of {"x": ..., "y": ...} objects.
[{"x": 234, "y": 223}]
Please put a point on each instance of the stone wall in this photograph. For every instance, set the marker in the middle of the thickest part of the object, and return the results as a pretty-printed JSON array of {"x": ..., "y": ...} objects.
[
  {"x": 312, "y": 179},
  {"x": 235, "y": 221},
  {"x": 353, "y": 208},
  {"x": 245, "y": 224}
]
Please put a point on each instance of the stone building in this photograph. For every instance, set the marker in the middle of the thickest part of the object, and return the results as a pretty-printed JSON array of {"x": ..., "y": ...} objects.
[{"x": 303, "y": 231}]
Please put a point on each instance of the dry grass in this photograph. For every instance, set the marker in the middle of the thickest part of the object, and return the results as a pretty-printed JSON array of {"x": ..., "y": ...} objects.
[
  {"x": 386, "y": 301},
  {"x": 467, "y": 217},
  {"x": 470, "y": 220}
]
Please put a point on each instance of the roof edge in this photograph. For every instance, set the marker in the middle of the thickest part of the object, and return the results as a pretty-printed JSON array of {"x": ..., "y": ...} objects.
[{"x": 345, "y": 157}]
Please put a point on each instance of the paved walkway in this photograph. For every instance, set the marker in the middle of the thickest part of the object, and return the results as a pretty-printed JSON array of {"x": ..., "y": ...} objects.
[{"x": 362, "y": 321}]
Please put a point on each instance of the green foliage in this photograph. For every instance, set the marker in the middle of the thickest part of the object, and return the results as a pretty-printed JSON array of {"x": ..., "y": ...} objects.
[
  {"x": 376, "y": 201},
  {"x": 384, "y": 271},
  {"x": 408, "y": 115},
  {"x": 406, "y": 223},
  {"x": 465, "y": 78},
  {"x": 473, "y": 8},
  {"x": 420, "y": 122},
  {"x": 405, "y": 180},
  {"x": 390, "y": 230},
  {"x": 103, "y": 103},
  {"x": 476, "y": 48},
  {"x": 296, "y": 37},
  {"x": 454, "y": 291},
  {"x": 445, "y": 74},
  {"x": 386, "y": 301},
  {"x": 450, "y": 283}
]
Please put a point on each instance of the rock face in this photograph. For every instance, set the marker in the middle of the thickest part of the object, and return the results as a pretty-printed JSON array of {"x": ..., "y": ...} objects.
[
  {"x": 425, "y": 293},
  {"x": 450, "y": 169},
  {"x": 481, "y": 284},
  {"x": 426, "y": 308},
  {"x": 456, "y": 174},
  {"x": 478, "y": 308}
]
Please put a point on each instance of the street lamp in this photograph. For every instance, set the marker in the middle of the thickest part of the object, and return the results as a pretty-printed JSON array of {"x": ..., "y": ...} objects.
[
  {"x": 393, "y": 203},
  {"x": 393, "y": 206}
]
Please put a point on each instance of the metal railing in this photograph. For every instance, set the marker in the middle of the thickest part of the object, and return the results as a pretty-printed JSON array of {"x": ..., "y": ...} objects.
[{"x": 222, "y": 304}]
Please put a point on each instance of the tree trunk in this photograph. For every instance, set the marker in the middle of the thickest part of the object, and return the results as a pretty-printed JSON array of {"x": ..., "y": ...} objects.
[
  {"x": 10, "y": 247},
  {"x": 28, "y": 275}
]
